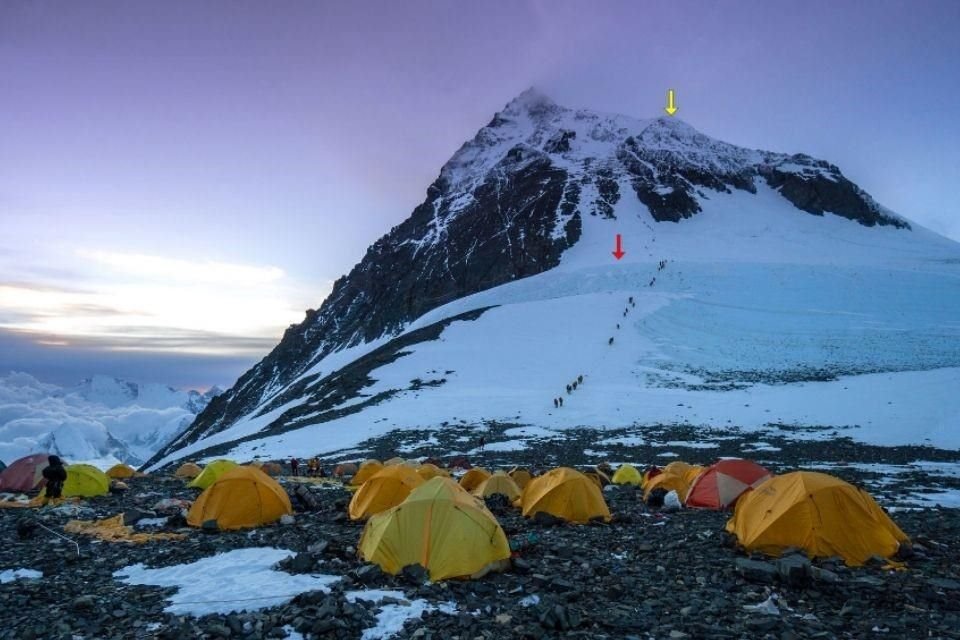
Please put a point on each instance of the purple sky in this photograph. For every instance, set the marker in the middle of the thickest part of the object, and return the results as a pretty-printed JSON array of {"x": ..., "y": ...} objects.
[{"x": 271, "y": 142}]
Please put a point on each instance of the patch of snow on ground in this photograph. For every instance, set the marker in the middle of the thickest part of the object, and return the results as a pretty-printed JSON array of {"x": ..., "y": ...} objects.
[
  {"x": 506, "y": 445},
  {"x": 16, "y": 574},
  {"x": 627, "y": 441},
  {"x": 143, "y": 523},
  {"x": 238, "y": 580},
  {"x": 530, "y": 601},
  {"x": 691, "y": 445},
  {"x": 667, "y": 454},
  {"x": 391, "y": 617},
  {"x": 949, "y": 499},
  {"x": 529, "y": 431},
  {"x": 758, "y": 446}
]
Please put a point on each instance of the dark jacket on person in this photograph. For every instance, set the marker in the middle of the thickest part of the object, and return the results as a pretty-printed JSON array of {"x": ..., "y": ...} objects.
[{"x": 55, "y": 476}]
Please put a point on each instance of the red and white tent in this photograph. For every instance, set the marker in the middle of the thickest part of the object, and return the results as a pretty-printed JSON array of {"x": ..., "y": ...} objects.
[
  {"x": 26, "y": 474},
  {"x": 721, "y": 484}
]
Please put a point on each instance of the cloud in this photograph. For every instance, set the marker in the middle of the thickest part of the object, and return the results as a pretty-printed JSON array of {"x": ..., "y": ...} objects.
[
  {"x": 66, "y": 364},
  {"x": 192, "y": 271},
  {"x": 121, "y": 301},
  {"x": 84, "y": 422}
]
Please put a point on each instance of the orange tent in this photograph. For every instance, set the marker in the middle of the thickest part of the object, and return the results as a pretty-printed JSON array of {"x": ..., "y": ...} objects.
[
  {"x": 818, "y": 513},
  {"x": 387, "y": 488},
  {"x": 429, "y": 471},
  {"x": 521, "y": 476},
  {"x": 721, "y": 484},
  {"x": 366, "y": 471},
  {"x": 565, "y": 493},
  {"x": 188, "y": 470},
  {"x": 121, "y": 472},
  {"x": 473, "y": 478},
  {"x": 668, "y": 482},
  {"x": 26, "y": 474},
  {"x": 240, "y": 498},
  {"x": 500, "y": 483}
]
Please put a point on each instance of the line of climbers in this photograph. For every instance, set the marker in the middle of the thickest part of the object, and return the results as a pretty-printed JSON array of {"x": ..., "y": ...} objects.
[{"x": 558, "y": 402}]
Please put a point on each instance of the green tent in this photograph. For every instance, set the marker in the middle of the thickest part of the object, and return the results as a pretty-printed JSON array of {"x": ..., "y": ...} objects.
[{"x": 211, "y": 472}]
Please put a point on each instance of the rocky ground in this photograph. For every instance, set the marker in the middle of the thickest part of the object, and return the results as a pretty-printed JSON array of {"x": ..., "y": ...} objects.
[{"x": 645, "y": 575}]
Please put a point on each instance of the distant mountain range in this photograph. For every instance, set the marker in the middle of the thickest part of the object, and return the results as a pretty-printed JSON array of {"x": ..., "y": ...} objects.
[
  {"x": 101, "y": 419},
  {"x": 743, "y": 268}
]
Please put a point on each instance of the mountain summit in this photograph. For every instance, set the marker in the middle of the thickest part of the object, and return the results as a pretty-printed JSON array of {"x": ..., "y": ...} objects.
[{"x": 542, "y": 189}]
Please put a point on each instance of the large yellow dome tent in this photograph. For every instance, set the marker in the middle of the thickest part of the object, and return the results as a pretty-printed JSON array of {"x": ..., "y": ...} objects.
[
  {"x": 498, "y": 483},
  {"x": 473, "y": 478},
  {"x": 440, "y": 527},
  {"x": 818, "y": 513},
  {"x": 627, "y": 474},
  {"x": 240, "y": 498},
  {"x": 211, "y": 473},
  {"x": 121, "y": 472},
  {"x": 85, "y": 481},
  {"x": 387, "y": 488},
  {"x": 565, "y": 493},
  {"x": 188, "y": 470},
  {"x": 367, "y": 470}
]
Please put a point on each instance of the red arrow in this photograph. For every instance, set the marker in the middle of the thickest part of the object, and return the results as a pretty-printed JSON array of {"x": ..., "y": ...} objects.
[{"x": 619, "y": 253}]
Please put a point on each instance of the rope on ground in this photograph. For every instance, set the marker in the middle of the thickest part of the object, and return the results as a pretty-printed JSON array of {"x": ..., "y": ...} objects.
[{"x": 70, "y": 540}]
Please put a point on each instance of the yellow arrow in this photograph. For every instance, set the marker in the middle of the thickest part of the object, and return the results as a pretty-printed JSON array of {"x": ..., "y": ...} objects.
[{"x": 671, "y": 107}]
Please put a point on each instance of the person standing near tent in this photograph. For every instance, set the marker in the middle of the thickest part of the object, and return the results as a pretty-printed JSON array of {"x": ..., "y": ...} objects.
[
  {"x": 55, "y": 476},
  {"x": 294, "y": 466}
]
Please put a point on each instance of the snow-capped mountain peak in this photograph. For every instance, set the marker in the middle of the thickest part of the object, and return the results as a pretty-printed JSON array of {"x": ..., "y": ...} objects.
[{"x": 543, "y": 189}]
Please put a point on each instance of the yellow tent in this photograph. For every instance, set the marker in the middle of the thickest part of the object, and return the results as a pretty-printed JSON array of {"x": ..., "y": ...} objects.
[
  {"x": 598, "y": 477},
  {"x": 440, "y": 527},
  {"x": 693, "y": 473},
  {"x": 428, "y": 471},
  {"x": 85, "y": 481},
  {"x": 521, "y": 476},
  {"x": 211, "y": 473},
  {"x": 387, "y": 488},
  {"x": 678, "y": 468},
  {"x": 500, "y": 483},
  {"x": 241, "y": 497},
  {"x": 188, "y": 470},
  {"x": 676, "y": 476},
  {"x": 565, "y": 493},
  {"x": 367, "y": 470},
  {"x": 668, "y": 482},
  {"x": 473, "y": 478},
  {"x": 627, "y": 474},
  {"x": 395, "y": 461},
  {"x": 818, "y": 513},
  {"x": 121, "y": 471}
]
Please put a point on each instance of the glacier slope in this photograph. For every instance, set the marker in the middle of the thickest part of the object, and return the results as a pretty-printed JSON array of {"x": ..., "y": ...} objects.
[{"x": 762, "y": 316}]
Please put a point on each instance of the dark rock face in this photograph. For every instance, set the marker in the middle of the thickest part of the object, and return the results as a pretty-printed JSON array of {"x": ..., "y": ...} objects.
[
  {"x": 819, "y": 193},
  {"x": 432, "y": 258}
]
